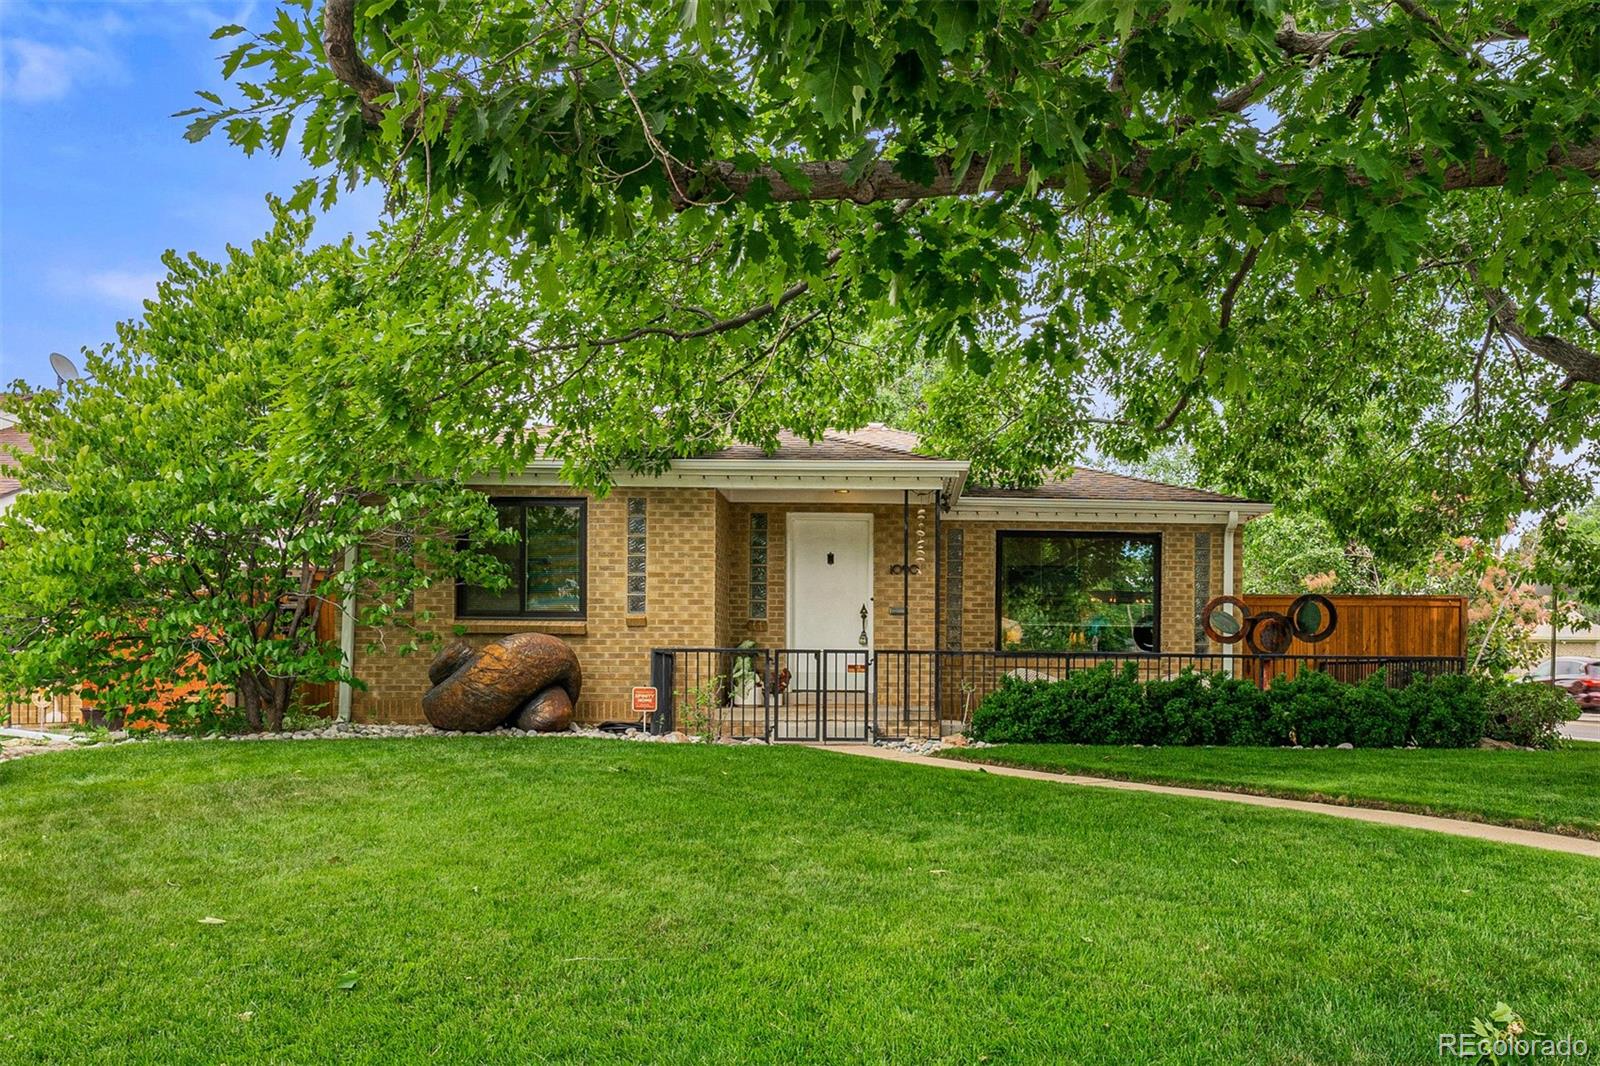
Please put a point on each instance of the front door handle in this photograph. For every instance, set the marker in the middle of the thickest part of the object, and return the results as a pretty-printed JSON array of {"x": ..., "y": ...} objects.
[{"x": 862, "y": 639}]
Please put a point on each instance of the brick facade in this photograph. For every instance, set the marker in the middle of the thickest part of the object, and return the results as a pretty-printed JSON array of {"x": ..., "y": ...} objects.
[
  {"x": 698, "y": 570},
  {"x": 684, "y": 589}
]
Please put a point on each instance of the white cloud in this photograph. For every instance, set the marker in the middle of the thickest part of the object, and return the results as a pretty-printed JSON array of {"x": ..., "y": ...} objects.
[
  {"x": 33, "y": 71},
  {"x": 123, "y": 289}
]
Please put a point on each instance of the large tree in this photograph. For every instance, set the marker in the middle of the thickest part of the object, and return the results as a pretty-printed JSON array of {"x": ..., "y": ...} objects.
[
  {"x": 266, "y": 440},
  {"x": 1282, "y": 229}
]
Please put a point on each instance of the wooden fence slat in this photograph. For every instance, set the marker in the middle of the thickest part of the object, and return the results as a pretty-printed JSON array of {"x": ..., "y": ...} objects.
[{"x": 1384, "y": 625}]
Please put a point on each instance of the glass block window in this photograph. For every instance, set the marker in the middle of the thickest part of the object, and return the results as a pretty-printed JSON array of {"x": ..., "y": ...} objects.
[
  {"x": 758, "y": 566},
  {"x": 955, "y": 569},
  {"x": 638, "y": 533}
]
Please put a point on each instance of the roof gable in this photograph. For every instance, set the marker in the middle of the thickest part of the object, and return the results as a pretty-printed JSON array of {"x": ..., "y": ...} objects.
[{"x": 872, "y": 442}]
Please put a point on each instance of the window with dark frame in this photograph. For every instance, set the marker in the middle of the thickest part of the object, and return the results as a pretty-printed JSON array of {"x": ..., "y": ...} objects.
[
  {"x": 547, "y": 562},
  {"x": 758, "y": 565},
  {"x": 1088, "y": 592},
  {"x": 638, "y": 533}
]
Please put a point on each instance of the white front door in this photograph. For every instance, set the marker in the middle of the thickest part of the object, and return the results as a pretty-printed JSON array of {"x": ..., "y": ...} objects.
[{"x": 830, "y": 585}]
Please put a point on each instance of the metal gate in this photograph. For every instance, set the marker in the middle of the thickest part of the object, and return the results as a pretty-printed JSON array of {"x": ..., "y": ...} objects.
[
  {"x": 820, "y": 695},
  {"x": 773, "y": 693}
]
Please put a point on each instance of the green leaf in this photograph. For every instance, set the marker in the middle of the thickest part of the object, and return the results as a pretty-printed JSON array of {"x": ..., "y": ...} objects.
[
  {"x": 229, "y": 30},
  {"x": 832, "y": 82},
  {"x": 954, "y": 23}
]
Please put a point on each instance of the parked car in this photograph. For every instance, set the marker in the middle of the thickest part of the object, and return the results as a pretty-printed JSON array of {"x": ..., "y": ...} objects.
[{"x": 1581, "y": 677}]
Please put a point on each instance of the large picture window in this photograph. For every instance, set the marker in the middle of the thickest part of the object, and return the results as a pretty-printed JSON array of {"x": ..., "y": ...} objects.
[
  {"x": 1089, "y": 592},
  {"x": 547, "y": 563}
]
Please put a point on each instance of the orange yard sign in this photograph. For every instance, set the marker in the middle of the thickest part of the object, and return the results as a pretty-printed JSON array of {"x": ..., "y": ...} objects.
[{"x": 644, "y": 699}]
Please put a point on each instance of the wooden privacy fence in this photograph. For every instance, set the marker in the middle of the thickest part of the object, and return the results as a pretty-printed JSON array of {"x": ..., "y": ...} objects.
[{"x": 1407, "y": 626}]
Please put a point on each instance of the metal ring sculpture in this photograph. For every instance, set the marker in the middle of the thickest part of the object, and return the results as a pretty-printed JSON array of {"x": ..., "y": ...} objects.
[{"x": 1310, "y": 618}]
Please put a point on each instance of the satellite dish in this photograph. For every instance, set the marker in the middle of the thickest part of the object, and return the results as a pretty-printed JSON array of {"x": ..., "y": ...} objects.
[{"x": 66, "y": 370}]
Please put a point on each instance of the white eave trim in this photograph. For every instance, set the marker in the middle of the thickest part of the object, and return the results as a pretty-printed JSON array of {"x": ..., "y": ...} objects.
[
  {"x": 1167, "y": 512},
  {"x": 912, "y": 474}
]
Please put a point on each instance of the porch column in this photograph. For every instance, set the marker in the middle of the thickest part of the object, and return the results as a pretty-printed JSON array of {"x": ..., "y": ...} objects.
[
  {"x": 905, "y": 606},
  {"x": 938, "y": 614}
]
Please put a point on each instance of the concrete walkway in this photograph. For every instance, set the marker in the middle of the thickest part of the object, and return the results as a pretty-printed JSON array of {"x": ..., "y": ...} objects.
[{"x": 1499, "y": 834}]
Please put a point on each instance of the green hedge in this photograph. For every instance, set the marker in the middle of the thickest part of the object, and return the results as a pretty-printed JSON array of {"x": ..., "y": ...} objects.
[{"x": 1108, "y": 705}]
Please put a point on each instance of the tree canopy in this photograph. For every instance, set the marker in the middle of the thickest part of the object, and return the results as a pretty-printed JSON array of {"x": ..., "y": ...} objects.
[
  {"x": 1330, "y": 244},
  {"x": 264, "y": 442}
]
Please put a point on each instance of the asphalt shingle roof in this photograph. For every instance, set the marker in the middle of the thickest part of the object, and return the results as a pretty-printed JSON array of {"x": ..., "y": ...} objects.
[
  {"x": 877, "y": 441},
  {"x": 1087, "y": 484},
  {"x": 871, "y": 442}
]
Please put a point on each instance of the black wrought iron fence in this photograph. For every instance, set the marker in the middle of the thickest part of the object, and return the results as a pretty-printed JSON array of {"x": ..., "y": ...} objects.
[{"x": 859, "y": 695}]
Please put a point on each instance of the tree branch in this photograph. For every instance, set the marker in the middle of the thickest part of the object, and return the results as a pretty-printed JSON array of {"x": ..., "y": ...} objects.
[
  {"x": 1579, "y": 362},
  {"x": 344, "y": 58},
  {"x": 826, "y": 180}
]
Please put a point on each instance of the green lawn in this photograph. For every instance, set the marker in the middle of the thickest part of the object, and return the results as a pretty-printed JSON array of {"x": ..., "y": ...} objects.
[
  {"x": 516, "y": 901},
  {"x": 1553, "y": 790}
]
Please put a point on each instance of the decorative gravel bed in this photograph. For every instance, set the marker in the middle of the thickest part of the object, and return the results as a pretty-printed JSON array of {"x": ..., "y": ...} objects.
[
  {"x": 12, "y": 748},
  {"x": 930, "y": 745}
]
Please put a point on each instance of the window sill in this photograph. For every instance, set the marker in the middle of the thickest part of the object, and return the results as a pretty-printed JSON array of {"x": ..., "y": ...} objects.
[
  {"x": 555, "y": 626},
  {"x": 637, "y": 621}
]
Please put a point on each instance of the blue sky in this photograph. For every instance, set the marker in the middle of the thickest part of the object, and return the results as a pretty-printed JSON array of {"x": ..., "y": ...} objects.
[{"x": 96, "y": 180}]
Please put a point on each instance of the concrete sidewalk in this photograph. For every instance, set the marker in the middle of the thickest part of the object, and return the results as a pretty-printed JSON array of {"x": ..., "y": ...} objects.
[{"x": 1499, "y": 834}]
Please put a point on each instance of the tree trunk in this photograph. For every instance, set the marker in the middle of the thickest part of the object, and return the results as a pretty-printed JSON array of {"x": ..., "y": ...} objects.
[
  {"x": 250, "y": 695},
  {"x": 280, "y": 689}
]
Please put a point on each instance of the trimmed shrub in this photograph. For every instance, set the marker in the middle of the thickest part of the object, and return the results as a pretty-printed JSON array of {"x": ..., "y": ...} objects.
[
  {"x": 1247, "y": 712},
  {"x": 1377, "y": 716},
  {"x": 1019, "y": 712},
  {"x": 1447, "y": 712},
  {"x": 1108, "y": 705},
  {"x": 1309, "y": 707},
  {"x": 1103, "y": 705},
  {"x": 1527, "y": 713},
  {"x": 1177, "y": 711}
]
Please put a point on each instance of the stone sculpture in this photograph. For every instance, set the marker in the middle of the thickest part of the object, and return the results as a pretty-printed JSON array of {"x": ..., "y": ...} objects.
[{"x": 528, "y": 680}]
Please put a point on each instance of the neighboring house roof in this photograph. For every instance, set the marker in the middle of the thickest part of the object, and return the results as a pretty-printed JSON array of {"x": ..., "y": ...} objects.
[{"x": 13, "y": 442}]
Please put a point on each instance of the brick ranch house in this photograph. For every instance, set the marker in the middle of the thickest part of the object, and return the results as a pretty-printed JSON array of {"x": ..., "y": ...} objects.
[{"x": 857, "y": 552}]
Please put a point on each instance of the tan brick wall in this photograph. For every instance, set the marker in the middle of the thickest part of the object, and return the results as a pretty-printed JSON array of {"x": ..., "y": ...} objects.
[
  {"x": 698, "y": 592},
  {"x": 726, "y": 575},
  {"x": 682, "y": 591}
]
